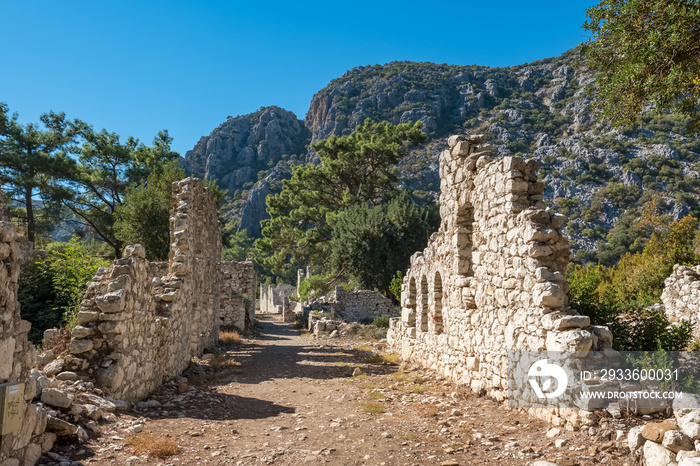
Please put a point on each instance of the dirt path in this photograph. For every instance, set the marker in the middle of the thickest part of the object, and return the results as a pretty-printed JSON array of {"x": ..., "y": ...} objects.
[{"x": 289, "y": 399}]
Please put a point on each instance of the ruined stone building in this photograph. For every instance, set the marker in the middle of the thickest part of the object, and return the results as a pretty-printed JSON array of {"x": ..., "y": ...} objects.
[
  {"x": 681, "y": 296},
  {"x": 17, "y": 356},
  {"x": 491, "y": 279},
  {"x": 141, "y": 322},
  {"x": 237, "y": 294}
]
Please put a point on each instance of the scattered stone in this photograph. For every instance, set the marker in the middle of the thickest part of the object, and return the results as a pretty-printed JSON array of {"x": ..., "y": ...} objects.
[
  {"x": 655, "y": 454},
  {"x": 56, "y": 397},
  {"x": 551, "y": 433},
  {"x": 45, "y": 357},
  {"x": 635, "y": 439},
  {"x": 655, "y": 431},
  {"x": 135, "y": 429},
  {"x": 67, "y": 375},
  {"x": 54, "y": 367},
  {"x": 148, "y": 404},
  {"x": 59, "y": 426},
  {"x": 676, "y": 440}
]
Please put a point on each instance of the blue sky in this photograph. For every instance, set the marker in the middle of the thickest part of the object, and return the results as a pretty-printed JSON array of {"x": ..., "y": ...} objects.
[{"x": 138, "y": 67}]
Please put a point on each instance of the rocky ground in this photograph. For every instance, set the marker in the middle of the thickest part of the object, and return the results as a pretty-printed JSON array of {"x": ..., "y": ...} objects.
[{"x": 287, "y": 398}]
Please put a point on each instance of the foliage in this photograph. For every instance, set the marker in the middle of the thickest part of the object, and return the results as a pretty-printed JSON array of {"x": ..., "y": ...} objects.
[
  {"x": 395, "y": 285},
  {"x": 32, "y": 159},
  {"x": 107, "y": 167},
  {"x": 301, "y": 322},
  {"x": 621, "y": 296},
  {"x": 314, "y": 286},
  {"x": 51, "y": 289},
  {"x": 370, "y": 244},
  {"x": 646, "y": 52},
  {"x": 358, "y": 169},
  {"x": 144, "y": 215},
  {"x": 381, "y": 321},
  {"x": 239, "y": 246},
  {"x": 72, "y": 269},
  {"x": 38, "y": 298}
]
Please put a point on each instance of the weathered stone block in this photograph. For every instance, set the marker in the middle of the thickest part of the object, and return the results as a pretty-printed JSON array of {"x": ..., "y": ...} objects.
[
  {"x": 111, "y": 302},
  {"x": 80, "y": 346}
]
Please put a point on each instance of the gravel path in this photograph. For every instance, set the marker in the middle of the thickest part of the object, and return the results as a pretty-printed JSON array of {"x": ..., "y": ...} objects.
[{"x": 288, "y": 399}]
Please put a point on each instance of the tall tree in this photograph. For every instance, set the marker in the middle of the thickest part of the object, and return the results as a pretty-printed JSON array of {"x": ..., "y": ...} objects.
[
  {"x": 372, "y": 244},
  {"x": 33, "y": 157},
  {"x": 358, "y": 169},
  {"x": 144, "y": 215},
  {"x": 647, "y": 52},
  {"x": 107, "y": 167}
]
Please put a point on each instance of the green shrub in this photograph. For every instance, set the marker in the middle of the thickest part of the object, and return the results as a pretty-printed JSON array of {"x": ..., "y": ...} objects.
[
  {"x": 621, "y": 296},
  {"x": 381, "y": 321},
  {"x": 50, "y": 290},
  {"x": 301, "y": 322},
  {"x": 395, "y": 285}
]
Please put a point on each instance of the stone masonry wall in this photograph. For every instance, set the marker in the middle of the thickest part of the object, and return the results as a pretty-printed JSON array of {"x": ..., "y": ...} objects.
[
  {"x": 136, "y": 329},
  {"x": 272, "y": 299},
  {"x": 238, "y": 282},
  {"x": 360, "y": 306},
  {"x": 491, "y": 279},
  {"x": 17, "y": 358},
  {"x": 681, "y": 295}
]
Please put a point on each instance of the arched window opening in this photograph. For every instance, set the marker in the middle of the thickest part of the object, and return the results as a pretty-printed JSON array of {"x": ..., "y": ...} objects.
[
  {"x": 437, "y": 303},
  {"x": 464, "y": 231},
  {"x": 423, "y": 304},
  {"x": 411, "y": 303}
]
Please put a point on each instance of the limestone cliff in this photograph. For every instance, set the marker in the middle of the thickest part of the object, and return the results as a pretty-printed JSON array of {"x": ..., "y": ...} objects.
[{"x": 539, "y": 110}]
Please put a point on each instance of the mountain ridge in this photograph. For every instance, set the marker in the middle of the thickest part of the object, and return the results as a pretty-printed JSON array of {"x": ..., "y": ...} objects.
[{"x": 539, "y": 110}]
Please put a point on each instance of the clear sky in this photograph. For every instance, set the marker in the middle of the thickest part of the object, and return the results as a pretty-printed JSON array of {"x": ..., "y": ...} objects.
[{"x": 136, "y": 67}]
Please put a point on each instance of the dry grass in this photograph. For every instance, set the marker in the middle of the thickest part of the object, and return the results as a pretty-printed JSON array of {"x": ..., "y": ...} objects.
[
  {"x": 372, "y": 407},
  {"x": 230, "y": 337},
  {"x": 60, "y": 343},
  {"x": 399, "y": 377},
  {"x": 221, "y": 361},
  {"x": 393, "y": 357},
  {"x": 418, "y": 388},
  {"x": 379, "y": 359},
  {"x": 375, "y": 395},
  {"x": 145, "y": 442}
]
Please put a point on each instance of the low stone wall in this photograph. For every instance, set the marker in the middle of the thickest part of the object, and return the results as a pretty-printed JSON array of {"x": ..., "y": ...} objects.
[
  {"x": 491, "y": 280},
  {"x": 359, "y": 306},
  {"x": 681, "y": 295},
  {"x": 17, "y": 355},
  {"x": 136, "y": 329},
  {"x": 238, "y": 282}
]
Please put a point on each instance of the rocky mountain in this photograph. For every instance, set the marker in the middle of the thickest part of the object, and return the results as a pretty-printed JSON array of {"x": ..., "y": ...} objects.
[
  {"x": 247, "y": 155},
  {"x": 537, "y": 110}
]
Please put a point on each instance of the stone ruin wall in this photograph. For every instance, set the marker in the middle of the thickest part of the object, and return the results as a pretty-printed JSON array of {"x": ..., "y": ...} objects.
[
  {"x": 275, "y": 300},
  {"x": 492, "y": 278},
  {"x": 136, "y": 328},
  {"x": 681, "y": 295},
  {"x": 359, "y": 306},
  {"x": 237, "y": 294},
  {"x": 17, "y": 357}
]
